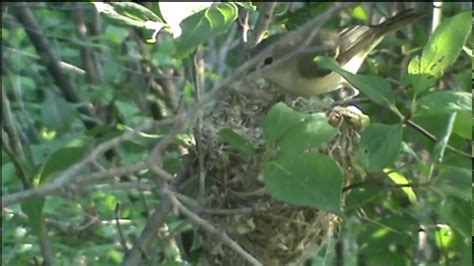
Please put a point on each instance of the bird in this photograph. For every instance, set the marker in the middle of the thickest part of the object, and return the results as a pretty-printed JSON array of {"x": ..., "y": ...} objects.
[{"x": 301, "y": 76}]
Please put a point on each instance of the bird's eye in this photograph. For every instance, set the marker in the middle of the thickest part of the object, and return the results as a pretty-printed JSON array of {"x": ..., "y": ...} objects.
[{"x": 268, "y": 60}]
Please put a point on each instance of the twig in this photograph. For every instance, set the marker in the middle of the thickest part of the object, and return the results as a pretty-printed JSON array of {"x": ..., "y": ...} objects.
[
  {"x": 10, "y": 128},
  {"x": 45, "y": 245},
  {"x": 244, "y": 23},
  {"x": 153, "y": 224},
  {"x": 211, "y": 229},
  {"x": 63, "y": 81},
  {"x": 63, "y": 64},
  {"x": 62, "y": 188},
  {"x": 86, "y": 52},
  {"x": 123, "y": 242},
  {"x": 427, "y": 134},
  {"x": 263, "y": 22},
  {"x": 382, "y": 184},
  {"x": 19, "y": 167},
  {"x": 198, "y": 80},
  {"x": 245, "y": 210},
  {"x": 114, "y": 187}
]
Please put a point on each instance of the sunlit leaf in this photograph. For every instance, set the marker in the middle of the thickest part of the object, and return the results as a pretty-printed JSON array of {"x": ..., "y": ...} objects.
[
  {"x": 202, "y": 26},
  {"x": 399, "y": 179}
]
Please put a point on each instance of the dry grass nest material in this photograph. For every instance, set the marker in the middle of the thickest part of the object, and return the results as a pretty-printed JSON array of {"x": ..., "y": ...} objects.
[{"x": 273, "y": 232}]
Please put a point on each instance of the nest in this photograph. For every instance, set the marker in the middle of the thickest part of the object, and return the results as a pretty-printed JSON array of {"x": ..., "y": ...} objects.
[{"x": 273, "y": 232}]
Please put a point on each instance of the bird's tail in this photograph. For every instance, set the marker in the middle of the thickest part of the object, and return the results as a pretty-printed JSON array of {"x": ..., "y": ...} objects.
[
  {"x": 398, "y": 21},
  {"x": 360, "y": 40}
]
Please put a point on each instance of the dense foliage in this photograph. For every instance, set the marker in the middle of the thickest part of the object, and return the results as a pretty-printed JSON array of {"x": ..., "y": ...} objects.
[{"x": 105, "y": 120}]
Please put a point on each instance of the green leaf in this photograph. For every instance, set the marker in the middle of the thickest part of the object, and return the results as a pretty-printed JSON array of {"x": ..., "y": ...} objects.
[
  {"x": 33, "y": 208},
  {"x": 237, "y": 141},
  {"x": 442, "y": 49},
  {"x": 456, "y": 213},
  {"x": 110, "y": 14},
  {"x": 445, "y": 102},
  {"x": 306, "y": 179},
  {"x": 247, "y": 5},
  {"x": 56, "y": 113},
  {"x": 279, "y": 120},
  {"x": 445, "y": 44},
  {"x": 361, "y": 195},
  {"x": 463, "y": 125},
  {"x": 126, "y": 109},
  {"x": 310, "y": 133},
  {"x": 60, "y": 161},
  {"x": 379, "y": 146},
  {"x": 455, "y": 181},
  {"x": 134, "y": 11},
  {"x": 376, "y": 88},
  {"x": 399, "y": 179},
  {"x": 204, "y": 25},
  {"x": 360, "y": 13},
  {"x": 419, "y": 82},
  {"x": 175, "y": 12}
]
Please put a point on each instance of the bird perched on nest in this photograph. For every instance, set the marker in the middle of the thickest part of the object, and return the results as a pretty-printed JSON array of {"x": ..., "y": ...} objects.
[{"x": 301, "y": 76}]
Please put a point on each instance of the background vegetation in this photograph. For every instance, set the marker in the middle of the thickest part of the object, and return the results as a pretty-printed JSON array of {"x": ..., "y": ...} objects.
[{"x": 104, "y": 110}]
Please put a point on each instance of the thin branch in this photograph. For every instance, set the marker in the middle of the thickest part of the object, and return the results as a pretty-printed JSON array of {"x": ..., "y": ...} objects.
[
  {"x": 263, "y": 22},
  {"x": 198, "y": 80},
  {"x": 63, "y": 64},
  {"x": 65, "y": 188},
  {"x": 10, "y": 127},
  {"x": 123, "y": 242},
  {"x": 211, "y": 229},
  {"x": 45, "y": 245},
  {"x": 434, "y": 139},
  {"x": 154, "y": 223},
  {"x": 20, "y": 169},
  {"x": 63, "y": 81},
  {"x": 382, "y": 184},
  {"x": 86, "y": 52}
]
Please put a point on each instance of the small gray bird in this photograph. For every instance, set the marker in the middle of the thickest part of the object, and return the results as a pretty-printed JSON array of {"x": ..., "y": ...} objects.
[{"x": 301, "y": 76}]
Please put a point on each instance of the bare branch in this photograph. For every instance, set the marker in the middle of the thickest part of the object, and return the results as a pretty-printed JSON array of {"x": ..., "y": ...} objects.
[
  {"x": 63, "y": 81},
  {"x": 211, "y": 229},
  {"x": 10, "y": 127},
  {"x": 263, "y": 22},
  {"x": 63, "y": 188},
  {"x": 153, "y": 224}
]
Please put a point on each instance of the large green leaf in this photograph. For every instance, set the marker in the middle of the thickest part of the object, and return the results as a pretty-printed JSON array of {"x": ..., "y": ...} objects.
[
  {"x": 134, "y": 11},
  {"x": 445, "y": 44},
  {"x": 60, "y": 161},
  {"x": 204, "y": 25},
  {"x": 114, "y": 15},
  {"x": 442, "y": 50},
  {"x": 376, "y": 88},
  {"x": 306, "y": 179},
  {"x": 175, "y": 12},
  {"x": 279, "y": 120},
  {"x": 379, "y": 146},
  {"x": 310, "y": 133}
]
